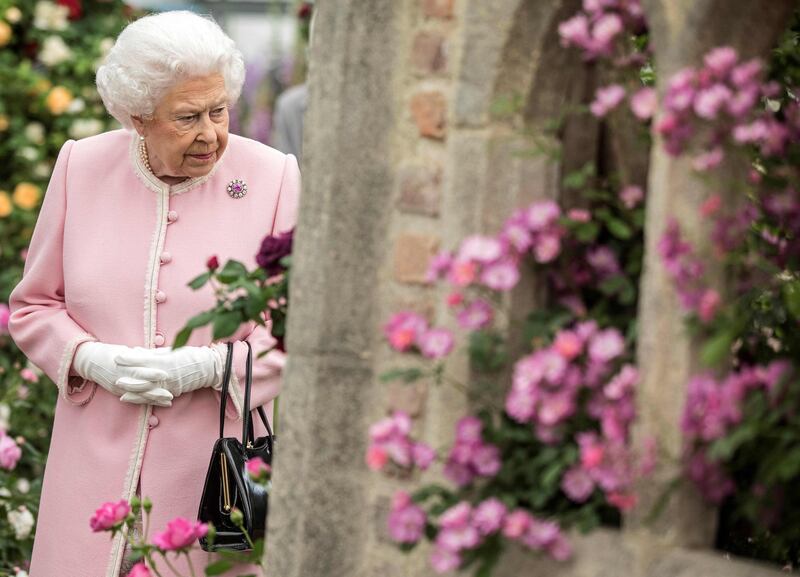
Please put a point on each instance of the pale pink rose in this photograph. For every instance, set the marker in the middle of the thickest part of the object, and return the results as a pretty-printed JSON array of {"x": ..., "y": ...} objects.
[
  {"x": 606, "y": 28},
  {"x": 489, "y": 515},
  {"x": 406, "y": 520},
  {"x": 23, "y": 254},
  {"x": 710, "y": 101},
  {"x": 456, "y": 516},
  {"x": 476, "y": 315},
  {"x": 486, "y": 460},
  {"x": 468, "y": 430},
  {"x": 708, "y": 160},
  {"x": 743, "y": 101},
  {"x": 482, "y": 249},
  {"x": 746, "y": 73},
  {"x": 575, "y": 31},
  {"x": 568, "y": 344},
  {"x": 23, "y": 392},
  {"x": 501, "y": 276},
  {"x": 709, "y": 304},
  {"x": 541, "y": 214},
  {"x": 540, "y": 534},
  {"x": 516, "y": 232},
  {"x": 547, "y": 247},
  {"x": 436, "y": 343},
  {"x": 462, "y": 273},
  {"x": 458, "y": 539},
  {"x": 109, "y": 515},
  {"x": 520, "y": 405},
  {"x": 606, "y": 345},
  {"x": 10, "y": 453},
  {"x": 376, "y": 457},
  {"x": 5, "y": 313},
  {"x": 140, "y": 570},
  {"x": 579, "y": 215},
  {"x": 721, "y": 60},
  {"x": 180, "y": 534},
  {"x": 560, "y": 549},
  {"x": 444, "y": 560},
  {"x": 631, "y": 196},
  {"x": 403, "y": 329},
  {"x": 644, "y": 103},
  {"x": 439, "y": 265},
  {"x": 755, "y": 131},
  {"x": 516, "y": 523},
  {"x": 256, "y": 467},
  {"x": 423, "y": 455},
  {"x": 29, "y": 375},
  {"x": 577, "y": 484},
  {"x": 711, "y": 205},
  {"x": 623, "y": 501},
  {"x": 553, "y": 409},
  {"x": 606, "y": 99}
]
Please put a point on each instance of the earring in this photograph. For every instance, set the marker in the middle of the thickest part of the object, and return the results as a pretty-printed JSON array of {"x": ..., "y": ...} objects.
[{"x": 141, "y": 137}]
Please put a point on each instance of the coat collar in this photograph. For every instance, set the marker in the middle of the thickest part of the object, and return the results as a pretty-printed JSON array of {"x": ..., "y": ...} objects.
[{"x": 154, "y": 183}]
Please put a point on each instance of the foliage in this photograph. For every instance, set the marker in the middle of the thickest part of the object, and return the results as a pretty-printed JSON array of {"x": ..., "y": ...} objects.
[{"x": 48, "y": 56}]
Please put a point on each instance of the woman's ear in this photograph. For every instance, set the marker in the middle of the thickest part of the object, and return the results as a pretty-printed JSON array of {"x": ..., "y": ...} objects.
[{"x": 138, "y": 124}]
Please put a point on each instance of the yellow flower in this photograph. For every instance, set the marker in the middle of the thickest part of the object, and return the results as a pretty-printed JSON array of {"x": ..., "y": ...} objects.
[
  {"x": 5, "y": 33},
  {"x": 3, "y": 123},
  {"x": 58, "y": 100},
  {"x": 5, "y": 204},
  {"x": 26, "y": 195}
]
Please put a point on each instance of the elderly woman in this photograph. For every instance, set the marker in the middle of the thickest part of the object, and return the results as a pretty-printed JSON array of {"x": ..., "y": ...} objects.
[{"x": 129, "y": 218}]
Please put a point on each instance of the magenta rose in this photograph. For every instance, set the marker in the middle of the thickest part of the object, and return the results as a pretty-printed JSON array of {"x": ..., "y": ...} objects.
[
  {"x": 180, "y": 534},
  {"x": 140, "y": 570},
  {"x": 257, "y": 468},
  {"x": 109, "y": 516},
  {"x": 273, "y": 249}
]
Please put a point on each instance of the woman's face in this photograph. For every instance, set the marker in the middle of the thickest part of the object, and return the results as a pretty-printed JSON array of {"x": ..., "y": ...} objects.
[{"x": 189, "y": 129}]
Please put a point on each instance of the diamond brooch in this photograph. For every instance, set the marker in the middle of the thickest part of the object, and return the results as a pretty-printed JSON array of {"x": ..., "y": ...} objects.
[{"x": 237, "y": 188}]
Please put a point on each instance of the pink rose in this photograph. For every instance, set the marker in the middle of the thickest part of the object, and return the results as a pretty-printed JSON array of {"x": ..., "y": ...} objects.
[
  {"x": 423, "y": 455},
  {"x": 180, "y": 534},
  {"x": 376, "y": 457},
  {"x": 5, "y": 313},
  {"x": 406, "y": 520},
  {"x": 606, "y": 99},
  {"x": 29, "y": 376},
  {"x": 109, "y": 515},
  {"x": 501, "y": 276},
  {"x": 10, "y": 452},
  {"x": 140, "y": 570},
  {"x": 436, "y": 343},
  {"x": 256, "y": 467},
  {"x": 644, "y": 103},
  {"x": 403, "y": 329}
]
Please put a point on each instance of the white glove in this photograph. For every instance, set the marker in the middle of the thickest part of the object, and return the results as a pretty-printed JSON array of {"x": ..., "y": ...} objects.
[
  {"x": 186, "y": 369},
  {"x": 95, "y": 362}
]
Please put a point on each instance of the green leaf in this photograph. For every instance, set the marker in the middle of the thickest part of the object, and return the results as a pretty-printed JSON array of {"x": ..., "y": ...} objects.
[
  {"x": 791, "y": 296},
  {"x": 407, "y": 375},
  {"x": 587, "y": 232},
  {"x": 225, "y": 324},
  {"x": 200, "y": 320},
  {"x": 231, "y": 272},
  {"x": 218, "y": 568},
  {"x": 618, "y": 228},
  {"x": 199, "y": 281},
  {"x": 717, "y": 348},
  {"x": 182, "y": 337}
]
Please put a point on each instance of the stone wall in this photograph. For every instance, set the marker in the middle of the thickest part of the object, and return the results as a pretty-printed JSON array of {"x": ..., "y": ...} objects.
[{"x": 405, "y": 154}]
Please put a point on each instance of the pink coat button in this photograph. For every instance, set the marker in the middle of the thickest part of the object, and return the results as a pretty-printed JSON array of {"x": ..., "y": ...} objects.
[
  {"x": 159, "y": 340},
  {"x": 172, "y": 216},
  {"x": 165, "y": 257},
  {"x": 161, "y": 296},
  {"x": 152, "y": 421}
]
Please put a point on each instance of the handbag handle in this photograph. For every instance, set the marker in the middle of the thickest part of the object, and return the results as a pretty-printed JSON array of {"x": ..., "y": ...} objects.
[{"x": 247, "y": 425}]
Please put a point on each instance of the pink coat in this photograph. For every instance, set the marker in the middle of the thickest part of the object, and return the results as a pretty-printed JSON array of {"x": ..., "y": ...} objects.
[{"x": 110, "y": 259}]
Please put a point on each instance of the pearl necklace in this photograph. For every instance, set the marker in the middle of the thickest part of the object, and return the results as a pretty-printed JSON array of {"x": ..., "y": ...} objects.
[{"x": 143, "y": 155}]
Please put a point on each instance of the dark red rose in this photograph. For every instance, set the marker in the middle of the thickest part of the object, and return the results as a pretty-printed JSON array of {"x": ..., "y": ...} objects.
[
  {"x": 75, "y": 8},
  {"x": 212, "y": 263},
  {"x": 304, "y": 11},
  {"x": 273, "y": 249}
]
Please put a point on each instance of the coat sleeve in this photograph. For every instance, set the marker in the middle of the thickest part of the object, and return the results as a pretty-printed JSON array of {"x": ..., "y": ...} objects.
[
  {"x": 266, "y": 382},
  {"x": 40, "y": 323}
]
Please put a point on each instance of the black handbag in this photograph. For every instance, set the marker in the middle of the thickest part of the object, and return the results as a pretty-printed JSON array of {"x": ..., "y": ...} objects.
[{"x": 228, "y": 484}]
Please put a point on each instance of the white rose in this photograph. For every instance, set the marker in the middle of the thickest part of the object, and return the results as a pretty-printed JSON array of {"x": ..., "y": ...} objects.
[
  {"x": 55, "y": 51},
  {"x": 49, "y": 16},
  {"x": 5, "y": 414},
  {"x": 21, "y": 573},
  {"x": 41, "y": 170},
  {"x": 106, "y": 44},
  {"x": 23, "y": 485},
  {"x": 4, "y": 492},
  {"x": 22, "y": 521},
  {"x": 34, "y": 132},
  {"x": 77, "y": 105},
  {"x": 13, "y": 15},
  {"x": 83, "y": 127},
  {"x": 28, "y": 153}
]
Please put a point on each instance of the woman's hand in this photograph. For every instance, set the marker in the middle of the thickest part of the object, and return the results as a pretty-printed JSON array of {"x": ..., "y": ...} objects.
[
  {"x": 185, "y": 369},
  {"x": 142, "y": 385}
]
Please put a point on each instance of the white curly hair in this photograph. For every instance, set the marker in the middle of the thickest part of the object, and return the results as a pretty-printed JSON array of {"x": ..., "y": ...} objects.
[{"x": 156, "y": 52}]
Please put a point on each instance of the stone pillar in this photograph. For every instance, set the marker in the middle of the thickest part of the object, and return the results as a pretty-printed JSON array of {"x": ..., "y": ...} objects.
[
  {"x": 681, "y": 32},
  {"x": 319, "y": 518}
]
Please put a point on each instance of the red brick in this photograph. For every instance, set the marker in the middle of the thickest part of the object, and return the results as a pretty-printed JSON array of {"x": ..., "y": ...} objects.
[
  {"x": 438, "y": 8},
  {"x": 429, "y": 110},
  {"x": 420, "y": 190},
  {"x": 412, "y": 253},
  {"x": 428, "y": 54},
  {"x": 408, "y": 397}
]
